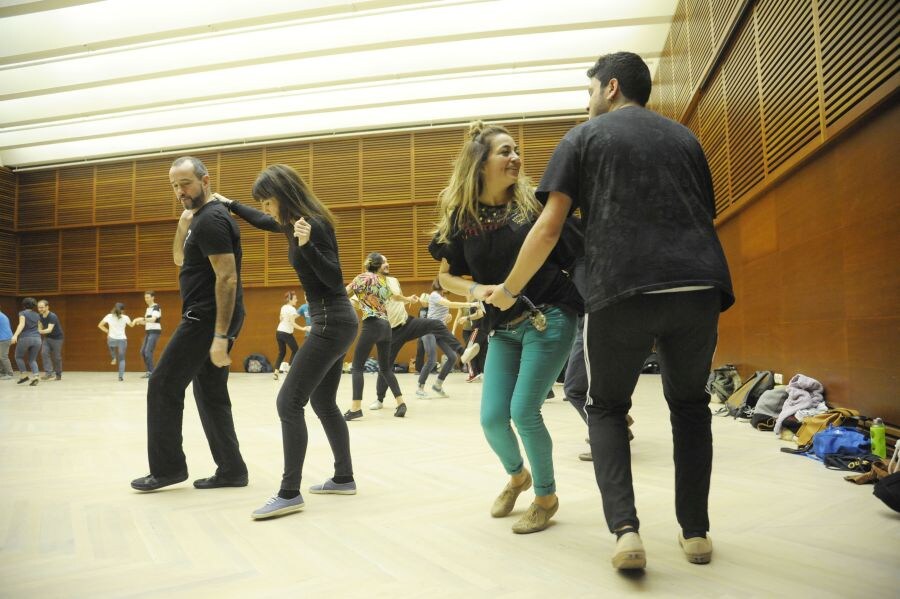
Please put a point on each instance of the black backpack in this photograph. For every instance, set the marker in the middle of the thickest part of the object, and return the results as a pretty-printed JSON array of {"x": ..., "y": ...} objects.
[
  {"x": 722, "y": 382},
  {"x": 888, "y": 490},
  {"x": 257, "y": 363}
]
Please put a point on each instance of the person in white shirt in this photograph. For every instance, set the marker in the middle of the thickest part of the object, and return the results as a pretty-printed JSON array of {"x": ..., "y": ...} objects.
[
  {"x": 152, "y": 330},
  {"x": 439, "y": 310},
  {"x": 113, "y": 324},
  {"x": 284, "y": 335}
]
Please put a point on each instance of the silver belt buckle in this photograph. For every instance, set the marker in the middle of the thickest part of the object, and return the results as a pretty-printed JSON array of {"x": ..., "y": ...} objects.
[{"x": 538, "y": 320}]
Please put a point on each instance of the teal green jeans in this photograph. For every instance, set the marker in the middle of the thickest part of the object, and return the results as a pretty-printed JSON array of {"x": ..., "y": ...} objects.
[{"x": 522, "y": 364}]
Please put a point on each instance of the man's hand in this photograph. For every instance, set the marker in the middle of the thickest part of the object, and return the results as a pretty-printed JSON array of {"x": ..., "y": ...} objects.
[
  {"x": 499, "y": 298},
  {"x": 302, "y": 230},
  {"x": 218, "y": 352}
]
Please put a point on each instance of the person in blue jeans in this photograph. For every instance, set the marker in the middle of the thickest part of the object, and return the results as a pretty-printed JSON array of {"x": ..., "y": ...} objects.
[
  {"x": 439, "y": 310},
  {"x": 113, "y": 324},
  {"x": 27, "y": 340},
  {"x": 6, "y": 371},
  {"x": 485, "y": 213}
]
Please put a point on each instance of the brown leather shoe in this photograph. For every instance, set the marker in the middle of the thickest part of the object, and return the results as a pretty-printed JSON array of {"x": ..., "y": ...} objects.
[
  {"x": 506, "y": 501},
  {"x": 535, "y": 519}
]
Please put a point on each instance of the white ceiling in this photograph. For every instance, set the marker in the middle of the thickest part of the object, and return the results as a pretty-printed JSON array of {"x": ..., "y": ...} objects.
[{"x": 84, "y": 80}]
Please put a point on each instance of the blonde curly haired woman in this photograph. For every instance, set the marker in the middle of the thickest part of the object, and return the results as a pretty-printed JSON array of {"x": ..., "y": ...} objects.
[{"x": 485, "y": 214}]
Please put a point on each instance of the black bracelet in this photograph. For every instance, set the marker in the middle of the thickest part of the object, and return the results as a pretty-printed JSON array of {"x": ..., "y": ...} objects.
[{"x": 222, "y": 336}]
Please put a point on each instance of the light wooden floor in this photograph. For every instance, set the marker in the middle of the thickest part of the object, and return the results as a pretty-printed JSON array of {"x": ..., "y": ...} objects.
[{"x": 70, "y": 525}]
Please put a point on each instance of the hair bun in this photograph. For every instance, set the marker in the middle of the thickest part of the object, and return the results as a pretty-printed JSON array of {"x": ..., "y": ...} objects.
[{"x": 476, "y": 128}]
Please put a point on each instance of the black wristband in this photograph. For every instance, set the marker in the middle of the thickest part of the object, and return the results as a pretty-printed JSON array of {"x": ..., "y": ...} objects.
[{"x": 221, "y": 336}]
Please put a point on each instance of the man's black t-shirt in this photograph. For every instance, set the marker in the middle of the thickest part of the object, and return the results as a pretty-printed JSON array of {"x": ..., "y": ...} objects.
[
  {"x": 212, "y": 231},
  {"x": 646, "y": 198},
  {"x": 53, "y": 319},
  {"x": 488, "y": 254}
]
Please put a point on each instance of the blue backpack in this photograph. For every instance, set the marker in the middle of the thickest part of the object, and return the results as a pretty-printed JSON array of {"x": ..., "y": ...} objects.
[{"x": 840, "y": 440}]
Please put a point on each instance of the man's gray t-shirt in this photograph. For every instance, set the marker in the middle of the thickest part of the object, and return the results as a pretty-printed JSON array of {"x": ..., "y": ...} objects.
[{"x": 646, "y": 198}]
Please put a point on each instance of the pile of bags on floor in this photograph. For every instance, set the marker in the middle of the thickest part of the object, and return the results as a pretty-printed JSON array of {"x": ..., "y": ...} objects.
[{"x": 798, "y": 412}]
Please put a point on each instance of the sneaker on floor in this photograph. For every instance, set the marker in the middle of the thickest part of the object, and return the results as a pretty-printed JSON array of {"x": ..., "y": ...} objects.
[
  {"x": 376, "y": 405},
  {"x": 421, "y": 394},
  {"x": 275, "y": 375},
  {"x": 471, "y": 378},
  {"x": 698, "y": 550},
  {"x": 152, "y": 483},
  {"x": 6, "y": 377},
  {"x": 34, "y": 382},
  {"x": 439, "y": 391},
  {"x": 59, "y": 377},
  {"x": 121, "y": 378},
  {"x": 24, "y": 379},
  {"x": 400, "y": 412},
  {"x": 629, "y": 553},
  {"x": 351, "y": 415},
  {"x": 329, "y": 487},
  {"x": 276, "y": 506},
  {"x": 146, "y": 375},
  {"x": 47, "y": 377},
  {"x": 215, "y": 482},
  {"x": 586, "y": 456}
]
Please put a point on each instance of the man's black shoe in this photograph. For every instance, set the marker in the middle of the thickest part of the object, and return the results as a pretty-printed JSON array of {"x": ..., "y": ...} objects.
[
  {"x": 152, "y": 483},
  {"x": 215, "y": 481}
]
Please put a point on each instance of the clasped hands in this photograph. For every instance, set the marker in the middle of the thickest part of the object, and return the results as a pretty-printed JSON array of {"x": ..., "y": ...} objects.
[{"x": 494, "y": 295}]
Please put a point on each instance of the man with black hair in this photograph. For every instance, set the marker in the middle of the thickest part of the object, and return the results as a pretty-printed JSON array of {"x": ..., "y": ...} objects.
[
  {"x": 656, "y": 272},
  {"x": 207, "y": 247},
  {"x": 51, "y": 350}
]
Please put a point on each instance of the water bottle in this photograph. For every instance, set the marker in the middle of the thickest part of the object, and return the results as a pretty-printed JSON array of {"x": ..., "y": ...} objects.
[{"x": 876, "y": 433}]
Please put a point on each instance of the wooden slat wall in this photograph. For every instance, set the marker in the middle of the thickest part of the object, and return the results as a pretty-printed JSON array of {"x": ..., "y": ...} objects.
[
  {"x": 36, "y": 200},
  {"x": 237, "y": 172},
  {"x": 116, "y": 264},
  {"x": 799, "y": 122},
  {"x": 8, "y": 247},
  {"x": 155, "y": 265},
  {"x": 745, "y": 142},
  {"x": 153, "y": 197},
  {"x": 112, "y": 224},
  {"x": 794, "y": 75},
  {"x": 787, "y": 64},
  {"x": 78, "y": 251},
  {"x": 75, "y": 203},
  {"x": 40, "y": 252},
  {"x": 860, "y": 50},
  {"x": 114, "y": 193}
]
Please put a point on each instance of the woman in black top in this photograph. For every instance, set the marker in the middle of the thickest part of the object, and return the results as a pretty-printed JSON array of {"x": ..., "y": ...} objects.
[
  {"x": 290, "y": 207},
  {"x": 485, "y": 214}
]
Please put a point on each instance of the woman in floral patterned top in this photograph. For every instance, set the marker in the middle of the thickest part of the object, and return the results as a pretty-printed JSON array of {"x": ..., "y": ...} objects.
[{"x": 370, "y": 292}]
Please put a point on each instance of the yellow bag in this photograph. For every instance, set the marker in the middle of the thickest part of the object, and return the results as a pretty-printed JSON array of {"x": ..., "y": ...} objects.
[{"x": 813, "y": 424}]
